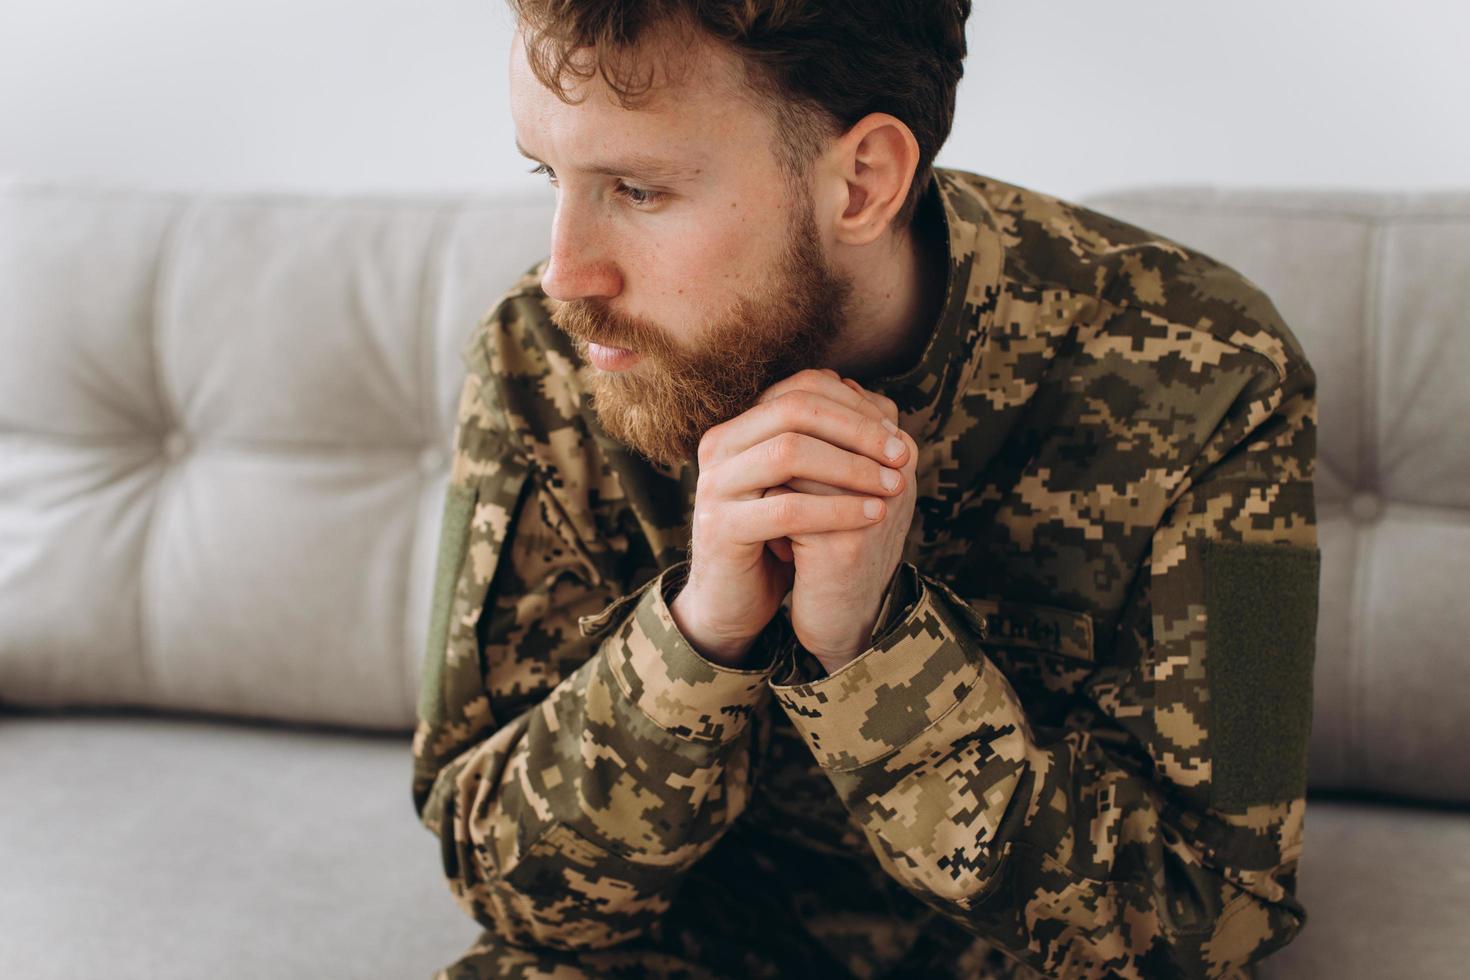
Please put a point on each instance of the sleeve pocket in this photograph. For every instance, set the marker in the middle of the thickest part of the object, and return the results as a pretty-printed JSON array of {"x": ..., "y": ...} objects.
[
  {"x": 1261, "y": 629},
  {"x": 459, "y": 505},
  {"x": 1048, "y": 629}
]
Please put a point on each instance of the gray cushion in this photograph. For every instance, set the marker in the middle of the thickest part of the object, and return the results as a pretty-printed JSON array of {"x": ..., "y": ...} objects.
[
  {"x": 1384, "y": 887},
  {"x": 155, "y": 848},
  {"x": 225, "y": 425}
]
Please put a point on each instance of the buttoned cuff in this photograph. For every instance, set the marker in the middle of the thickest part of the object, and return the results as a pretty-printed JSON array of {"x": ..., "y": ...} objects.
[
  {"x": 897, "y": 604},
  {"x": 915, "y": 672},
  {"x": 660, "y": 673}
]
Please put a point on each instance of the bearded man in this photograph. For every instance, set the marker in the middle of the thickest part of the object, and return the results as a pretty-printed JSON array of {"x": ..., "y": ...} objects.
[{"x": 853, "y": 567}]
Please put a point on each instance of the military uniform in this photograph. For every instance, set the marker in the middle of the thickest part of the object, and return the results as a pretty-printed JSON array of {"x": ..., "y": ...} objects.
[{"x": 1077, "y": 743}]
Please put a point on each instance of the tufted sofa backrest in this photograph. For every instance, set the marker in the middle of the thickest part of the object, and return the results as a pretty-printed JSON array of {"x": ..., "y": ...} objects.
[
  {"x": 225, "y": 425},
  {"x": 1377, "y": 288}
]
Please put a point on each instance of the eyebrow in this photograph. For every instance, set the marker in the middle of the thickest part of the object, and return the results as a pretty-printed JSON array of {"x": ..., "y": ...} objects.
[{"x": 639, "y": 166}]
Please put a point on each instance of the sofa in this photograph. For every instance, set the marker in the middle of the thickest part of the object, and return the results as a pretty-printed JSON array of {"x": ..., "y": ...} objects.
[{"x": 225, "y": 423}]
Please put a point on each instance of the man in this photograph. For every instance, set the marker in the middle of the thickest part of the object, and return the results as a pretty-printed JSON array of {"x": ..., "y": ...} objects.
[{"x": 853, "y": 568}]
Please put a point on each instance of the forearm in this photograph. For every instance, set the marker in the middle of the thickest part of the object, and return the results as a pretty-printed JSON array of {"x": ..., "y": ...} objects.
[
  {"x": 571, "y": 825},
  {"x": 1058, "y": 846}
]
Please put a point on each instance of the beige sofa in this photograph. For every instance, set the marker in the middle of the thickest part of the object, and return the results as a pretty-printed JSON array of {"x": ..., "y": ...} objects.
[{"x": 224, "y": 424}]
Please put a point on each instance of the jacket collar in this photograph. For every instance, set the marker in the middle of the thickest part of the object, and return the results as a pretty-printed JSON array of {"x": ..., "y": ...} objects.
[{"x": 925, "y": 393}]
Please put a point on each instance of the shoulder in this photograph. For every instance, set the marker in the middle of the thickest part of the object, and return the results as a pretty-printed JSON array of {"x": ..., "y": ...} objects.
[
  {"x": 518, "y": 320},
  {"x": 527, "y": 365},
  {"x": 1162, "y": 291}
]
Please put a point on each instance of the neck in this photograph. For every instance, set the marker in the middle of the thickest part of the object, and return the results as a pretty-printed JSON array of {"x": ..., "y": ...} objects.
[{"x": 897, "y": 298}]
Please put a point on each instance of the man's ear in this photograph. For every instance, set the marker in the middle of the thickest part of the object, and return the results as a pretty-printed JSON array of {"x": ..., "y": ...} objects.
[{"x": 875, "y": 160}]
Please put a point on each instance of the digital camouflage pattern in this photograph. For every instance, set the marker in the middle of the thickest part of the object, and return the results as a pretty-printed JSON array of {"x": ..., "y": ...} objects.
[{"x": 1025, "y": 774}]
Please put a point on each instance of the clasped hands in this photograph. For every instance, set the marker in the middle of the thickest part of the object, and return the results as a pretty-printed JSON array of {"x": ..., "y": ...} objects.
[{"x": 799, "y": 494}]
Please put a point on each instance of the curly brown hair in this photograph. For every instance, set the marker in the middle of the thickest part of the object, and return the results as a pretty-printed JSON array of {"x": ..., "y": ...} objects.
[{"x": 815, "y": 66}]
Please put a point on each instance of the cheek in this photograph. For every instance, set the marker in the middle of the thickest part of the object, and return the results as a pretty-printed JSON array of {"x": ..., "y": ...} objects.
[{"x": 707, "y": 262}]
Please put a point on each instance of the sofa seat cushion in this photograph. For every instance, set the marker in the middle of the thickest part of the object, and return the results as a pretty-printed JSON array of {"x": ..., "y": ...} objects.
[
  {"x": 141, "y": 846},
  {"x": 157, "y": 847},
  {"x": 1384, "y": 886}
]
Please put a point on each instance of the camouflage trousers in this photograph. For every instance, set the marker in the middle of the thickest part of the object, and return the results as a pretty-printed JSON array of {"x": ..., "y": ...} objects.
[
  {"x": 668, "y": 953},
  {"x": 754, "y": 912},
  {"x": 490, "y": 958}
]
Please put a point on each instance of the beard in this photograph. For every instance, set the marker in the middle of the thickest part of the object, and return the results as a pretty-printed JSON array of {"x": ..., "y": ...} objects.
[{"x": 662, "y": 406}]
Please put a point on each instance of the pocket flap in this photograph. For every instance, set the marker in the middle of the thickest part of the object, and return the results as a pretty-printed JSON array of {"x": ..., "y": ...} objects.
[{"x": 1052, "y": 629}]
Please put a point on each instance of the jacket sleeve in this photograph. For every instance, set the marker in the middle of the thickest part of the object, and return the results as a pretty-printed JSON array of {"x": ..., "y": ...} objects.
[
  {"x": 1157, "y": 831},
  {"x": 574, "y": 763}
]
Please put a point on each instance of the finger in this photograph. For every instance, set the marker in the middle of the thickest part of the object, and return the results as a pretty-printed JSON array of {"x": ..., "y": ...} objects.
[
  {"x": 781, "y": 547},
  {"x": 885, "y": 404},
  {"x": 801, "y": 485},
  {"x": 788, "y": 455},
  {"x": 764, "y": 519},
  {"x": 825, "y": 382},
  {"x": 812, "y": 414}
]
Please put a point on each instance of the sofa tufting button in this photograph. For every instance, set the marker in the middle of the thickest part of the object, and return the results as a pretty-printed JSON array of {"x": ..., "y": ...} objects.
[
  {"x": 1365, "y": 507},
  {"x": 175, "y": 444}
]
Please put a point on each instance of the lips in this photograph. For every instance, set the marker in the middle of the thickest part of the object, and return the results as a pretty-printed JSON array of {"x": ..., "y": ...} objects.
[{"x": 611, "y": 358}]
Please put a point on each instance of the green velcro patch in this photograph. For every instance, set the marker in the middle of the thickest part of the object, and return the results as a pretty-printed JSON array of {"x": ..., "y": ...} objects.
[
  {"x": 1261, "y": 611},
  {"x": 454, "y": 535}
]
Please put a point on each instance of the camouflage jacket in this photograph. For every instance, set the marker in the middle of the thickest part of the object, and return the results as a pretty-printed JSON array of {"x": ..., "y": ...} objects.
[{"x": 1077, "y": 744}]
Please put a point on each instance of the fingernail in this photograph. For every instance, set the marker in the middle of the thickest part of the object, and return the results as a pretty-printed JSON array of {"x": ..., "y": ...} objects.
[
  {"x": 893, "y": 448},
  {"x": 871, "y": 509},
  {"x": 890, "y": 427},
  {"x": 889, "y": 478}
]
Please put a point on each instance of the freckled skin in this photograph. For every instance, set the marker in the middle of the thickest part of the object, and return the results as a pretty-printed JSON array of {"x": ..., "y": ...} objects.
[
  {"x": 608, "y": 249},
  {"x": 731, "y": 218}
]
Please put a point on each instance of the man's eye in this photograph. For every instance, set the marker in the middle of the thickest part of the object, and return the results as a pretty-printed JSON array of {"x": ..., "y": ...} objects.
[{"x": 638, "y": 196}]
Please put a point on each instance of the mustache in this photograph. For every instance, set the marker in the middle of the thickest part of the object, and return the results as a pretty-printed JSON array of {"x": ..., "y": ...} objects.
[{"x": 591, "y": 321}]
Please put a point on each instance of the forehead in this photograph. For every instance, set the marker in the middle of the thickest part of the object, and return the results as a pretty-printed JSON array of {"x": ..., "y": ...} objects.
[{"x": 697, "y": 96}]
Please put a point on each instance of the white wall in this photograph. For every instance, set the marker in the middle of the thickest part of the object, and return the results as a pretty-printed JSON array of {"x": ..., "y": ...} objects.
[{"x": 1068, "y": 96}]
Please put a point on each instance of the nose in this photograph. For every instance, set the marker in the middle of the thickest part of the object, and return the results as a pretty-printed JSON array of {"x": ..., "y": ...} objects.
[{"x": 579, "y": 267}]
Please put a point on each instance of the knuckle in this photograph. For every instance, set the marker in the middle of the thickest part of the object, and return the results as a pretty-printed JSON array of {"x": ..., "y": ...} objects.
[
  {"x": 709, "y": 445},
  {"x": 784, "y": 512},
  {"x": 783, "y": 448},
  {"x": 795, "y": 404},
  {"x": 812, "y": 375},
  {"x": 784, "y": 407}
]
